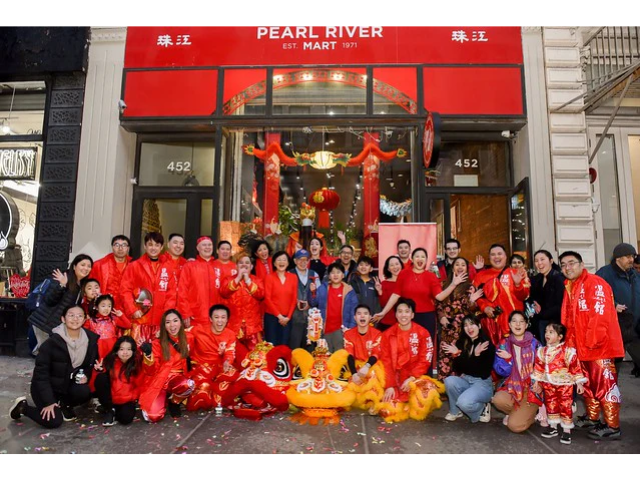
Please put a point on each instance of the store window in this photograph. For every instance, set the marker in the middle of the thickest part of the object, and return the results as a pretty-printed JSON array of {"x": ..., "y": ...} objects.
[
  {"x": 319, "y": 91},
  {"x": 244, "y": 92},
  {"x": 267, "y": 195},
  {"x": 471, "y": 164},
  {"x": 21, "y": 114},
  {"x": 177, "y": 164},
  {"x": 395, "y": 91}
]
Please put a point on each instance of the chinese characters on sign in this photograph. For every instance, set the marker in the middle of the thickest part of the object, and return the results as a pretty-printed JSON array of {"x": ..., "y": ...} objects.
[
  {"x": 167, "y": 40},
  {"x": 461, "y": 36}
]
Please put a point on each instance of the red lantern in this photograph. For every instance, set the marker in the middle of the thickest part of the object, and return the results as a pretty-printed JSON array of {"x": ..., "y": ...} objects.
[{"x": 324, "y": 200}]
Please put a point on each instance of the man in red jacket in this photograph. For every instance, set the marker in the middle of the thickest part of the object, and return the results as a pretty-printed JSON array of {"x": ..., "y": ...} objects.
[
  {"x": 109, "y": 269},
  {"x": 223, "y": 265},
  {"x": 152, "y": 273},
  {"x": 175, "y": 249},
  {"x": 196, "y": 289},
  {"x": 406, "y": 352},
  {"x": 505, "y": 290},
  {"x": 589, "y": 313}
]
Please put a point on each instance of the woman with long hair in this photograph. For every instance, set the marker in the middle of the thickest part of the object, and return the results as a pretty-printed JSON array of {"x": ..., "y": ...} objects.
[
  {"x": 515, "y": 359},
  {"x": 166, "y": 366},
  {"x": 471, "y": 389},
  {"x": 63, "y": 291},
  {"x": 118, "y": 385},
  {"x": 460, "y": 304},
  {"x": 261, "y": 259},
  {"x": 392, "y": 268},
  {"x": 547, "y": 293}
]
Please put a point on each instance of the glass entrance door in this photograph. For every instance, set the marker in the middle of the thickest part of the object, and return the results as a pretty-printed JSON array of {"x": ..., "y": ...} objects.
[{"x": 189, "y": 214}]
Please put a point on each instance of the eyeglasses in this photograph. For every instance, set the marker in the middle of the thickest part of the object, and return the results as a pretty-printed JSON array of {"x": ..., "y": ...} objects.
[
  {"x": 569, "y": 264},
  {"x": 78, "y": 316},
  {"x": 346, "y": 252},
  {"x": 120, "y": 245}
]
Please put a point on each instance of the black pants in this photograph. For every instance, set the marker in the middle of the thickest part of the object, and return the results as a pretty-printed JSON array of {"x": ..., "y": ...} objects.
[
  {"x": 76, "y": 395},
  {"x": 126, "y": 412},
  {"x": 299, "y": 323},
  {"x": 428, "y": 321}
]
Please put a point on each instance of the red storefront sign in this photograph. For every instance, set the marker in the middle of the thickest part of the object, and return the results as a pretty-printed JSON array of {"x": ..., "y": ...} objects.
[
  {"x": 226, "y": 46},
  {"x": 170, "y": 71}
]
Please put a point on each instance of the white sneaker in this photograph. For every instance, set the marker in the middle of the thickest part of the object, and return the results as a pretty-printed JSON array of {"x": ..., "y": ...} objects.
[
  {"x": 505, "y": 420},
  {"x": 486, "y": 414},
  {"x": 450, "y": 417}
]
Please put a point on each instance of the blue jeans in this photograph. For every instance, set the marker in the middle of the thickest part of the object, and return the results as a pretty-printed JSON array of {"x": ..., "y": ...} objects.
[
  {"x": 274, "y": 332},
  {"x": 469, "y": 395}
]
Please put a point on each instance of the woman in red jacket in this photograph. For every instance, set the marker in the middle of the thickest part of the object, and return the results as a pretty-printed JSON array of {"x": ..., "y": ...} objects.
[
  {"x": 281, "y": 295},
  {"x": 243, "y": 295},
  {"x": 166, "y": 366},
  {"x": 118, "y": 386}
]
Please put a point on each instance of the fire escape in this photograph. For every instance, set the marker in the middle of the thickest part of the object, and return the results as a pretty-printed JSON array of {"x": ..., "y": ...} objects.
[{"x": 611, "y": 63}]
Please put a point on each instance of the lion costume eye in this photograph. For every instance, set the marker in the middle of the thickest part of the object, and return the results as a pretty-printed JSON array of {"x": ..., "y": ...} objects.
[
  {"x": 282, "y": 369},
  {"x": 297, "y": 373}
]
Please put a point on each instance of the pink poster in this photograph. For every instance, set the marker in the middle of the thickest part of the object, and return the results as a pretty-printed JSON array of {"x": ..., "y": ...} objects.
[{"x": 418, "y": 234}]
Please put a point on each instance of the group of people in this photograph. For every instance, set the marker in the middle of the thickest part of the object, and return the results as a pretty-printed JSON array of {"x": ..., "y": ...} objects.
[{"x": 160, "y": 330}]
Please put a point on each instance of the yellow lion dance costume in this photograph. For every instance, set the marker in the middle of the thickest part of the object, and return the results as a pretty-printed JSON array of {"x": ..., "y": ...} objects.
[
  {"x": 322, "y": 391},
  {"x": 424, "y": 398}
]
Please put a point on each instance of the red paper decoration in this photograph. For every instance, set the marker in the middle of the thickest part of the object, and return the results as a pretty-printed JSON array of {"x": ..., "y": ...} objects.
[{"x": 324, "y": 200}]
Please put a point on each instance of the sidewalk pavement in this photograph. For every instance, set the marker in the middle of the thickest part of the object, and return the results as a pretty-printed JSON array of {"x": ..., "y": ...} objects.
[{"x": 357, "y": 432}]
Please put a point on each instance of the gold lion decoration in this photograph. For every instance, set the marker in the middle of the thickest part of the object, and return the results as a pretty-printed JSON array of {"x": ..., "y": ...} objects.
[{"x": 322, "y": 392}]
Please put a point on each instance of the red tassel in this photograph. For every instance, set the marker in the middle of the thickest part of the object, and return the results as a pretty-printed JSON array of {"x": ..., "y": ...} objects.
[{"x": 323, "y": 219}]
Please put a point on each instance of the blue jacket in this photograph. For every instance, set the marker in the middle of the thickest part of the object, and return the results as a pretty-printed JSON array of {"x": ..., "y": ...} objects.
[
  {"x": 349, "y": 304},
  {"x": 625, "y": 286}
]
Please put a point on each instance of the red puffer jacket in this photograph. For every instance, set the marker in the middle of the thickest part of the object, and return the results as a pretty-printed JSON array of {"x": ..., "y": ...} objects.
[{"x": 123, "y": 390}]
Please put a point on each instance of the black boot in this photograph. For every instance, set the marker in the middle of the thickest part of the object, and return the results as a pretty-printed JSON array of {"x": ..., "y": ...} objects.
[{"x": 174, "y": 410}]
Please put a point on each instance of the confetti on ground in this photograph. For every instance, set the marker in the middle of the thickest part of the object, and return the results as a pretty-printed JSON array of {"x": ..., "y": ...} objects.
[
  {"x": 44, "y": 435},
  {"x": 362, "y": 433},
  {"x": 27, "y": 449},
  {"x": 178, "y": 437}
]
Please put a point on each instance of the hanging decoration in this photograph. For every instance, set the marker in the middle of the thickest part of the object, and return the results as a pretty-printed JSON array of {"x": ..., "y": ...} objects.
[
  {"x": 395, "y": 209},
  {"x": 324, "y": 200},
  {"x": 323, "y": 160}
]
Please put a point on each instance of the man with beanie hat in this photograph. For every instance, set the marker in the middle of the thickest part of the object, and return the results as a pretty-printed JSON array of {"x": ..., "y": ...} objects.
[{"x": 625, "y": 283}]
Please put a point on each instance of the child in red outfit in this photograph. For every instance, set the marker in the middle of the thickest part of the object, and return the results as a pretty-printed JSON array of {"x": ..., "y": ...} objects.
[
  {"x": 556, "y": 371},
  {"x": 105, "y": 321},
  {"x": 118, "y": 386}
]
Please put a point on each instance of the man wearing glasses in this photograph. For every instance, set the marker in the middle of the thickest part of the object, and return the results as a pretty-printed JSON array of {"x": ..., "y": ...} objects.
[
  {"x": 589, "y": 313},
  {"x": 109, "y": 269},
  {"x": 346, "y": 259}
]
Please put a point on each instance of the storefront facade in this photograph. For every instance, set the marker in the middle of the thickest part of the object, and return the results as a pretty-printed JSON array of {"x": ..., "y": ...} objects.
[
  {"x": 236, "y": 138},
  {"x": 41, "y": 99}
]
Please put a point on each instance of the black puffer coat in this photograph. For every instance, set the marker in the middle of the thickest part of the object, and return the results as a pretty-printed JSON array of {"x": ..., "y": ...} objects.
[
  {"x": 56, "y": 299},
  {"x": 53, "y": 371}
]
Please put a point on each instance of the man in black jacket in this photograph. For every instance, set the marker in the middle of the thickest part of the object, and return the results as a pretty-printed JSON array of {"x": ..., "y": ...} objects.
[{"x": 61, "y": 376}]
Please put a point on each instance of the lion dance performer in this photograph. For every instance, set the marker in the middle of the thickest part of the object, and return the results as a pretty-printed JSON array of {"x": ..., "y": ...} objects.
[
  {"x": 367, "y": 373},
  {"x": 407, "y": 352},
  {"x": 261, "y": 387},
  {"x": 322, "y": 392}
]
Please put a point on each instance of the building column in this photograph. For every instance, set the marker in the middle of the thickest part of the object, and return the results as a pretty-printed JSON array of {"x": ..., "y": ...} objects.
[
  {"x": 531, "y": 146},
  {"x": 569, "y": 143},
  {"x": 107, "y": 152}
]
